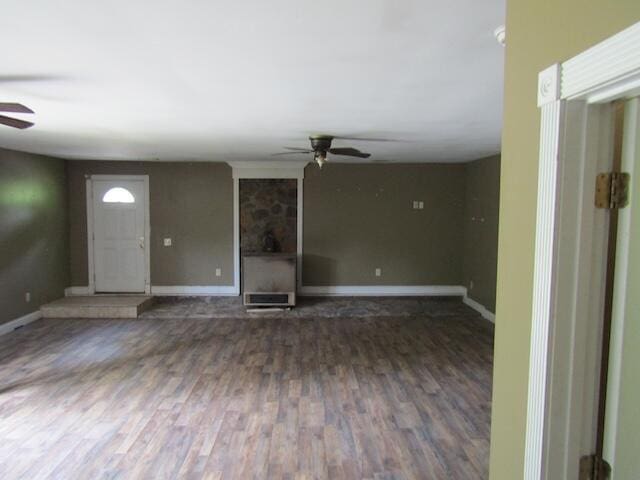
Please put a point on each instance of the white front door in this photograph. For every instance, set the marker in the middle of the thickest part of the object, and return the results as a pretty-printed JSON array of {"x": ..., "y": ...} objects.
[{"x": 119, "y": 235}]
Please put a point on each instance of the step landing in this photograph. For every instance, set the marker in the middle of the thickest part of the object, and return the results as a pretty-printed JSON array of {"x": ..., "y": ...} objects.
[{"x": 97, "y": 306}]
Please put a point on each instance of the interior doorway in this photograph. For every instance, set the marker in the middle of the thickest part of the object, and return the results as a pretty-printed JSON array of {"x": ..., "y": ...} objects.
[
  {"x": 619, "y": 425},
  {"x": 565, "y": 424}
]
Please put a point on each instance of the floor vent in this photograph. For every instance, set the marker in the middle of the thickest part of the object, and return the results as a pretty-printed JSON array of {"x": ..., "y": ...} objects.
[{"x": 267, "y": 299}]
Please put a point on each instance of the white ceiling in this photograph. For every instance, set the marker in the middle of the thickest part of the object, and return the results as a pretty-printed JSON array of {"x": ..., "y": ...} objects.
[{"x": 229, "y": 80}]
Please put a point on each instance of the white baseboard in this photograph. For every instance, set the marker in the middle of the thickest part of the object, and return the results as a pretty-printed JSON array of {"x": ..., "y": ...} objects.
[
  {"x": 20, "y": 322},
  {"x": 75, "y": 291},
  {"x": 481, "y": 309},
  {"x": 190, "y": 291},
  {"x": 171, "y": 291},
  {"x": 384, "y": 291}
]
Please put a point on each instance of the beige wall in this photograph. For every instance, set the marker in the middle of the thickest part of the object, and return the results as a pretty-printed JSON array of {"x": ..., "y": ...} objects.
[
  {"x": 359, "y": 217},
  {"x": 480, "y": 246},
  {"x": 190, "y": 202},
  {"x": 539, "y": 33},
  {"x": 34, "y": 253}
]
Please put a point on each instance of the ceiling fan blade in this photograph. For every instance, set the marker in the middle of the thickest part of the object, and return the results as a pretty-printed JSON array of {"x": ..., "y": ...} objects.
[
  {"x": 14, "y": 108},
  {"x": 297, "y": 149},
  {"x": 350, "y": 152},
  {"x": 30, "y": 78},
  {"x": 15, "y": 123},
  {"x": 366, "y": 139},
  {"x": 292, "y": 153}
]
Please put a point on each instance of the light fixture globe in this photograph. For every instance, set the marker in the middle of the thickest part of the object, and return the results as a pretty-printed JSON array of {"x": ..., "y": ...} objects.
[
  {"x": 320, "y": 158},
  {"x": 501, "y": 35}
]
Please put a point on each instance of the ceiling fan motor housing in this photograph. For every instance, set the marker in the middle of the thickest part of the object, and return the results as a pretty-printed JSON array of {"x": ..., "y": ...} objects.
[{"x": 321, "y": 143}]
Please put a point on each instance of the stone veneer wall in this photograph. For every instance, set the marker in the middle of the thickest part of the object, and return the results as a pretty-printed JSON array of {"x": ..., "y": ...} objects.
[{"x": 268, "y": 204}]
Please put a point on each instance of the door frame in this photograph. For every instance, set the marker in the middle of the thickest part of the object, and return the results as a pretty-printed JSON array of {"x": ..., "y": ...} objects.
[
  {"x": 90, "y": 230},
  {"x": 575, "y": 136},
  {"x": 266, "y": 170}
]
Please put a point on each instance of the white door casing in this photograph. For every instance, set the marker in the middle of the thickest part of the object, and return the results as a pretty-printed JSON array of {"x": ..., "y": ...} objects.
[
  {"x": 118, "y": 234},
  {"x": 569, "y": 272}
]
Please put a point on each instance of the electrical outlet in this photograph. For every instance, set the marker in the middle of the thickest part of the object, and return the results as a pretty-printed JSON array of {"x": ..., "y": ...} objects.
[
  {"x": 167, "y": 242},
  {"x": 27, "y": 297},
  {"x": 378, "y": 272},
  {"x": 218, "y": 272}
]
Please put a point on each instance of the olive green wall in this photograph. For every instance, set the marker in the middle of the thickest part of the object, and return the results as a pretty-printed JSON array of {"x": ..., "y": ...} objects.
[
  {"x": 480, "y": 246},
  {"x": 360, "y": 217},
  {"x": 190, "y": 202},
  {"x": 34, "y": 255},
  {"x": 539, "y": 33}
]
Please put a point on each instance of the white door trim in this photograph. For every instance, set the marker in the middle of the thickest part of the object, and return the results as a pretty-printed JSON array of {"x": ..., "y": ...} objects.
[
  {"x": 90, "y": 227},
  {"x": 274, "y": 170},
  {"x": 565, "y": 311}
]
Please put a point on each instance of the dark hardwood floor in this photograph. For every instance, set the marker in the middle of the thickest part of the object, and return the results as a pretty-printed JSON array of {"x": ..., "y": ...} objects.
[{"x": 353, "y": 397}]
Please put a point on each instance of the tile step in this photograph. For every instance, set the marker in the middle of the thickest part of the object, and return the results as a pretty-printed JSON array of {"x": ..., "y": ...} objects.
[{"x": 97, "y": 307}]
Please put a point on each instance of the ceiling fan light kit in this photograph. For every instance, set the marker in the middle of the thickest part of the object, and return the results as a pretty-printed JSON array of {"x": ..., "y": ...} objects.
[{"x": 320, "y": 158}]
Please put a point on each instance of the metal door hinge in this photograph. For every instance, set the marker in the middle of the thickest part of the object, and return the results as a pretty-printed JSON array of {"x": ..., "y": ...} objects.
[
  {"x": 593, "y": 467},
  {"x": 612, "y": 190}
]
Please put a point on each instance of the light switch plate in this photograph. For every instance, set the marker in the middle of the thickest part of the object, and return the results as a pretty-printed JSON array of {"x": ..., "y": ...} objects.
[
  {"x": 218, "y": 272},
  {"x": 421, "y": 205},
  {"x": 167, "y": 242},
  {"x": 416, "y": 204},
  {"x": 378, "y": 272}
]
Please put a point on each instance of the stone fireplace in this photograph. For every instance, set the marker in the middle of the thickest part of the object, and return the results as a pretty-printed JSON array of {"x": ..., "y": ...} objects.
[
  {"x": 268, "y": 206},
  {"x": 268, "y": 241}
]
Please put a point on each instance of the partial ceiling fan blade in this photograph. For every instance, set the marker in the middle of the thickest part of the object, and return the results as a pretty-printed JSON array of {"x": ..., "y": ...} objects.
[
  {"x": 30, "y": 78},
  {"x": 350, "y": 152},
  {"x": 14, "y": 108},
  {"x": 292, "y": 153},
  {"x": 14, "y": 122},
  {"x": 366, "y": 139},
  {"x": 306, "y": 150}
]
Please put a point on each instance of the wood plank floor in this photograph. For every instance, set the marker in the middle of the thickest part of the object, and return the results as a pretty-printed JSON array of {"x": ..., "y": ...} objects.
[{"x": 295, "y": 398}]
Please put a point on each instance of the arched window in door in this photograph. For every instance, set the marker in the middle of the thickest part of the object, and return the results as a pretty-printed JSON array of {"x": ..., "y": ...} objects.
[{"x": 118, "y": 195}]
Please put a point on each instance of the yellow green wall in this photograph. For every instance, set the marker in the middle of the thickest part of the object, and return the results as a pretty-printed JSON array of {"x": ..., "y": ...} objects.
[{"x": 539, "y": 33}]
